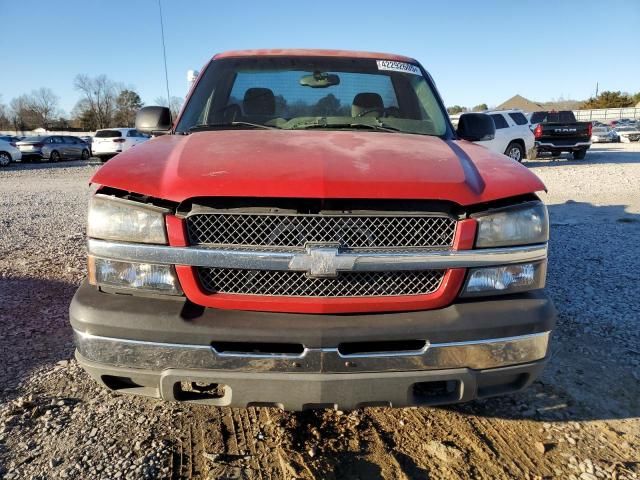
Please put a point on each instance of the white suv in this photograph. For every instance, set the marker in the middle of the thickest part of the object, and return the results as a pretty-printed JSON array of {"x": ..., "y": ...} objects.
[
  {"x": 513, "y": 135},
  {"x": 111, "y": 141}
]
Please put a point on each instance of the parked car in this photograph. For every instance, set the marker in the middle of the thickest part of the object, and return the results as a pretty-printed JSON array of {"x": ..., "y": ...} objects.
[
  {"x": 88, "y": 139},
  {"x": 603, "y": 134},
  {"x": 12, "y": 139},
  {"x": 513, "y": 136},
  {"x": 8, "y": 153},
  {"x": 112, "y": 141},
  {"x": 628, "y": 134},
  {"x": 621, "y": 122},
  {"x": 361, "y": 253},
  {"x": 557, "y": 132},
  {"x": 53, "y": 148}
]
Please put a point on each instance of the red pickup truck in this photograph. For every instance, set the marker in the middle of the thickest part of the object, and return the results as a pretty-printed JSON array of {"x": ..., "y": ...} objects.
[{"x": 311, "y": 232}]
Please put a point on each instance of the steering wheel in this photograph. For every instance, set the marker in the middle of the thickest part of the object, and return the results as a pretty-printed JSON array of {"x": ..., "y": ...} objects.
[
  {"x": 385, "y": 112},
  {"x": 369, "y": 110}
]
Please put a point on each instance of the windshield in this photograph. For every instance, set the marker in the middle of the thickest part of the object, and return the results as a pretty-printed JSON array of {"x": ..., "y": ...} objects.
[{"x": 314, "y": 92}]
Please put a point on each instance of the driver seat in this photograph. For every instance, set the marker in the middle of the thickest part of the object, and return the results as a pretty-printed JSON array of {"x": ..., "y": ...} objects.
[{"x": 365, "y": 101}]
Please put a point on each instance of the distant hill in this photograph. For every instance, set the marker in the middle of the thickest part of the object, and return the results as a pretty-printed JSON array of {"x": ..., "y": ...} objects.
[{"x": 522, "y": 103}]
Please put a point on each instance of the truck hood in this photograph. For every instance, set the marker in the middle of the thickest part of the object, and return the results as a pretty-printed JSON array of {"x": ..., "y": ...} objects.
[{"x": 316, "y": 164}]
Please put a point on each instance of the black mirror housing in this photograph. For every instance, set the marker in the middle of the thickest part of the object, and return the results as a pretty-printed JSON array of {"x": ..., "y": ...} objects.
[
  {"x": 320, "y": 80},
  {"x": 153, "y": 120},
  {"x": 476, "y": 127}
]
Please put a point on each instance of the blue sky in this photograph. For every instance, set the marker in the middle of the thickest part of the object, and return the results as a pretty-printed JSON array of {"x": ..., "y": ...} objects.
[{"x": 477, "y": 51}]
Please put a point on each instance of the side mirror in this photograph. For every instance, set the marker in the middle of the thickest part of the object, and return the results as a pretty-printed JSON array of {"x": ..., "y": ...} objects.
[
  {"x": 153, "y": 120},
  {"x": 476, "y": 127}
]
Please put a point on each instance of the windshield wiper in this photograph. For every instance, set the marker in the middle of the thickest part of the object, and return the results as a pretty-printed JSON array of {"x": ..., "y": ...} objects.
[
  {"x": 373, "y": 126},
  {"x": 223, "y": 125}
]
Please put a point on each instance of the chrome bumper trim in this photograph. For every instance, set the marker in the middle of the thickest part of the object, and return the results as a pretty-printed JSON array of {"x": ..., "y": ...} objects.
[
  {"x": 478, "y": 354},
  {"x": 553, "y": 145},
  {"x": 300, "y": 261}
]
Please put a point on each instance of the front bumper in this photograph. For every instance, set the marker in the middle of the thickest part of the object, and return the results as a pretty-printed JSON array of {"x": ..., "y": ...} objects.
[{"x": 154, "y": 346}]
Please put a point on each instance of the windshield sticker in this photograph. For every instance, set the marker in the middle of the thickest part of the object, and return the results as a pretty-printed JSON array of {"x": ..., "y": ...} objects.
[{"x": 398, "y": 67}]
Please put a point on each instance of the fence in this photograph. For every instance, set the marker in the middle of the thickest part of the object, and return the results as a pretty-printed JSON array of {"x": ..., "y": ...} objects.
[{"x": 607, "y": 114}]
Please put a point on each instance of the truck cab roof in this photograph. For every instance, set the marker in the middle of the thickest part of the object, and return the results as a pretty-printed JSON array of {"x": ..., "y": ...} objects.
[{"x": 306, "y": 52}]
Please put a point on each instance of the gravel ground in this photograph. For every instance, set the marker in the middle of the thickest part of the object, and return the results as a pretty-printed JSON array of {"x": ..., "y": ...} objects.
[{"x": 579, "y": 421}]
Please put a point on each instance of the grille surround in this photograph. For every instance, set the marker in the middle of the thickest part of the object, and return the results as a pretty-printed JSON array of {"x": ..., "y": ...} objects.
[
  {"x": 298, "y": 284},
  {"x": 295, "y": 231}
]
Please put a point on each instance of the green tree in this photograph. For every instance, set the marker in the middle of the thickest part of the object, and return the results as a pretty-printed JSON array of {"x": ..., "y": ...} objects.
[
  {"x": 609, "y": 100},
  {"x": 455, "y": 109},
  {"x": 128, "y": 102},
  {"x": 480, "y": 108}
]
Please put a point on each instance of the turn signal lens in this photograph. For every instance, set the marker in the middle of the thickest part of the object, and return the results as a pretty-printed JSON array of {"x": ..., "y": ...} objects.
[
  {"x": 138, "y": 276},
  {"x": 505, "y": 279}
]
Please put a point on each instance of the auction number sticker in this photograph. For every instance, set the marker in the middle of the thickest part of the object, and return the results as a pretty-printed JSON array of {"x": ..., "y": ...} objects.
[{"x": 398, "y": 67}]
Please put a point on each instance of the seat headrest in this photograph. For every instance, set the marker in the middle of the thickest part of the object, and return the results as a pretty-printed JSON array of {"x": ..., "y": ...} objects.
[
  {"x": 259, "y": 101},
  {"x": 366, "y": 101}
]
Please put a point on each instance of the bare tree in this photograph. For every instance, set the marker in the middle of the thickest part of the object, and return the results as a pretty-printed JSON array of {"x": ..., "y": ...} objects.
[
  {"x": 5, "y": 122},
  {"x": 20, "y": 114},
  {"x": 128, "y": 103},
  {"x": 99, "y": 96},
  {"x": 175, "y": 105},
  {"x": 43, "y": 104}
]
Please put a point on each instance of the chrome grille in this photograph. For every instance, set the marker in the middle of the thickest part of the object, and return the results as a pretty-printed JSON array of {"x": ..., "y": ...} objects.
[
  {"x": 298, "y": 284},
  {"x": 295, "y": 231}
]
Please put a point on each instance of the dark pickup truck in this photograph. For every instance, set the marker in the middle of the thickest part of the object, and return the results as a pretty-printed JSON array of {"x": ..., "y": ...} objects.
[{"x": 557, "y": 132}]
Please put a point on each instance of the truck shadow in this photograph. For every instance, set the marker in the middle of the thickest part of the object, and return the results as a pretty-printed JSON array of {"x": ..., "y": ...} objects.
[
  {"x": 35, "y": 329},
  {"x": 592, "y": 373},
  {"x": 614, "y": 153}
]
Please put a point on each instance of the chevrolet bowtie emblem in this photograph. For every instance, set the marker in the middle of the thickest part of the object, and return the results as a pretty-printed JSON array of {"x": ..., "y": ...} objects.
[{"x": 322, "y": 261}]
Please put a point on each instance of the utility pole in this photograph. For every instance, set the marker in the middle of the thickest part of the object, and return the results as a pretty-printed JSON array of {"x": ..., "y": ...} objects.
[{"x": 596, "y": 89}]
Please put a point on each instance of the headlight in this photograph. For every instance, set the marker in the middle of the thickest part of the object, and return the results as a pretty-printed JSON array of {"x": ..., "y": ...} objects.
[
  {"x": 505, "y": 279},
  {"x": 141, "y": 276},
  {"x": 112, "y": 218},
  {"x": 520, "y": 225}
]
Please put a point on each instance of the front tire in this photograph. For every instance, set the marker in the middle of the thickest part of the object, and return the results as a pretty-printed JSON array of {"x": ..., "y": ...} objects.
[
  {"x": 54, "y": 157},
  {"x": 579, "y": 154},
  {"x": 515, "y": 151},
  {"x": 85, "y": 154},
  {"x": 5, "y": 159}
]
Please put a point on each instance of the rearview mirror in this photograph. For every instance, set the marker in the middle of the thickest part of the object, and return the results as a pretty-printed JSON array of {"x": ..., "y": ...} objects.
[
  {"x": 153, "y": 120},
  {"x": 476, "y": 127},
  {"x": 320, "y": 80}
]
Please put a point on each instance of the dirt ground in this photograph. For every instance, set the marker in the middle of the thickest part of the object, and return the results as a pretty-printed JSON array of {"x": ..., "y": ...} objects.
[{"x": 580, "y": 420}]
